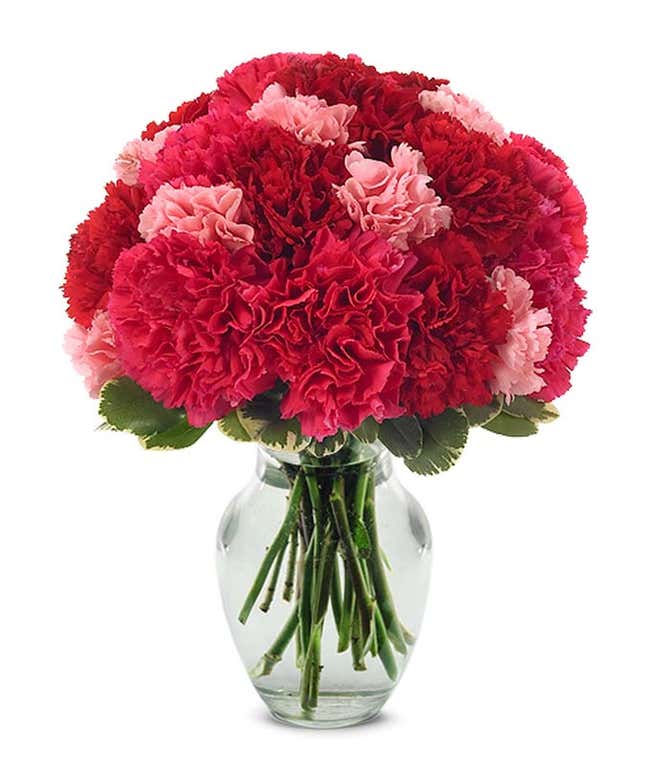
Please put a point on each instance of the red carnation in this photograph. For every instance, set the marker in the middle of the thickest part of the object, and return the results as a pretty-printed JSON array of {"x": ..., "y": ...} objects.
[
  {"x": 456, "y": 329},
  {"x": 95, "y": 246},
  {"x": 188, "y": 321},
  {"x": 184, "y": 114},
  {"x": 486, "y": 184},
  {"x": 344, "y": 333}
]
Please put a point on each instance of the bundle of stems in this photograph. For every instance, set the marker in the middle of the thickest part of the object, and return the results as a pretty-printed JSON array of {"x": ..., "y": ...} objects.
[{"x": 333, "y": 561}]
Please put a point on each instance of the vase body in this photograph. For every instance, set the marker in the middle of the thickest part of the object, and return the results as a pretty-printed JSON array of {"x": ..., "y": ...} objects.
[{"x": 347, "y": 686}]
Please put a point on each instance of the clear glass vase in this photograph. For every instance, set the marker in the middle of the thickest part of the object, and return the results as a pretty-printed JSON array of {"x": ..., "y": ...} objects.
[{"x": 324, "y": 568}]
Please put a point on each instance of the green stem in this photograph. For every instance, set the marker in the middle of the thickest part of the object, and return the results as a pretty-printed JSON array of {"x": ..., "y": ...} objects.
[
  {"x": 347, "y": 607},
  {"x": 408, "y": 636},
  {"x": 276, "y": 546},
  {"x": 365, "y": 604},
  {"x": 384, "y": 648},
  {"x": 357, "y": 640},
  {"x": 336, "y": 594},
  {"x": 378, "y": 575},
  {"x": 274, "y": 654},
  {"x": 305, "y": 601},
  {"x": 372, "y": 643},
  {"x": 273, "y": 582},
  {"x": 322, "y": 581},
  {"x": 360, "y": 491},
  {"x": 311, "y": 670},
  {"x": 291, "y": 567}
]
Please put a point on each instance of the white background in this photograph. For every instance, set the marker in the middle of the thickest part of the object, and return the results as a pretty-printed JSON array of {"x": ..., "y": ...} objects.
[{"x": 537, "y": 636}]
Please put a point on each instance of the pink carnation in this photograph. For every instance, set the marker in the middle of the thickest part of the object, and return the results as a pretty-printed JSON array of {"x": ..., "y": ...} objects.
[
  {"x": 394, "y": 201},
  {"x": 470, "y": 113},
  {"x": 127, "y": 164},
  {"x": 528, "y": 339},
  {"x": 93, "y": 352},
  {"x": 310, "y": 118},
  {"x": 208, "y": 213}
]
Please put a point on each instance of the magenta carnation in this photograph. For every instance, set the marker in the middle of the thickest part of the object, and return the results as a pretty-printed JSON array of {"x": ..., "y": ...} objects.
[
  {"x": 189, "y": 321},
  {"x": 346, "y": 334},
  {"x": 550, "y": 260}
]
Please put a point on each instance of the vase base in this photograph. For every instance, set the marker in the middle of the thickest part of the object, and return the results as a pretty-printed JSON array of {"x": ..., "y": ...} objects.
[{"x": 334, "y": 710}]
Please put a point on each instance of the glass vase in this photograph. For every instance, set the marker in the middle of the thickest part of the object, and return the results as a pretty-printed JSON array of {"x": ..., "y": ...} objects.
[{"x": 324, "y": 567}]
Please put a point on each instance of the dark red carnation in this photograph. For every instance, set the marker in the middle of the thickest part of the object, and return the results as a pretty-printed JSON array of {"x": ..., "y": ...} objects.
[
  {"x": 189, "y": 323},
  {"x": 288, "y": 186},
  {"x": 455, "y": 331},
  {"x": 486, "y": 184},
  {"x": 550, "y": 259},
  {"x": 344, "y": 333},
  {"x": 385, "y": 102},
  {"x": 184, "y": 114},
  {"x": 95, "y": 246}
]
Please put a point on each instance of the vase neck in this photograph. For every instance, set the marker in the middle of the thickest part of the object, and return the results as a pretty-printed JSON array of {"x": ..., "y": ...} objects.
[{"x": 272, "y": 466}]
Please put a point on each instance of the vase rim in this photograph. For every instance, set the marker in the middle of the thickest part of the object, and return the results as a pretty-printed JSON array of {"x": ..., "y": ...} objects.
[{"x": 357, "y": 453}]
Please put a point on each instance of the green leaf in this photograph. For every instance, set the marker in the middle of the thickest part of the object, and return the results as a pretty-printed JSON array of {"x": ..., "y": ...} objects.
[
  {"x": 252, "y": 424},
  {"x": 402, "y": 436},
  {"x": 284, "y": 435},
  {"x": 480, "y": 415},
  {"x": 181, "y": 435},
  {"x": 367, "y": 431},
  {"x": 444, "y": 437},
  {"x": 126, "y": 406},
  {"x": 329, "y": 446},
  {"x": 362, "y": 540},
  {"x": 231, "y": 426},
  {"x": 529, "y": 408},
  {"x": 512, "y": 426}
]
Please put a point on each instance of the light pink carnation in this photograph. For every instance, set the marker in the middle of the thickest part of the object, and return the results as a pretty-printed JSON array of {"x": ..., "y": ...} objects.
[
  {"x": 528, "y": 340},
  {"x": 311, "y": 119},
  {"x": 470, "y": 113},
  {"x": 127, "y": 164},
  {"x": 208, "y": 213},
  {"x": 394, "y": 201},
  {"x": 93, "y": 352}
]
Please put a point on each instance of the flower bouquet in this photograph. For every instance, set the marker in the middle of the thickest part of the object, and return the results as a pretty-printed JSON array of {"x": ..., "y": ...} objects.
[{"x": 333, "y": 262}]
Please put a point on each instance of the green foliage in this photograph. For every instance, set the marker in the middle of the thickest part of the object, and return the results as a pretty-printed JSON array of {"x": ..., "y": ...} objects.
[
  {"x": 259, "y": 420},
  {"x": 232, "y": 427},
  {"x": 367, "y": 431},
  {"x": 529, "y": 408},
  {"x": 329, "y": 445},
  {"x": 444, "y": 437},
  {"x": 520, "y": 417},
  {"x": 477, "y": 416},
  {"x": 181, "y": 435},
  {"x": 283, "y": 435},
  {"x": 128, "y": 407},
  {"x": 402, "y": 436},
  {"x": 512, "y": 426}
]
